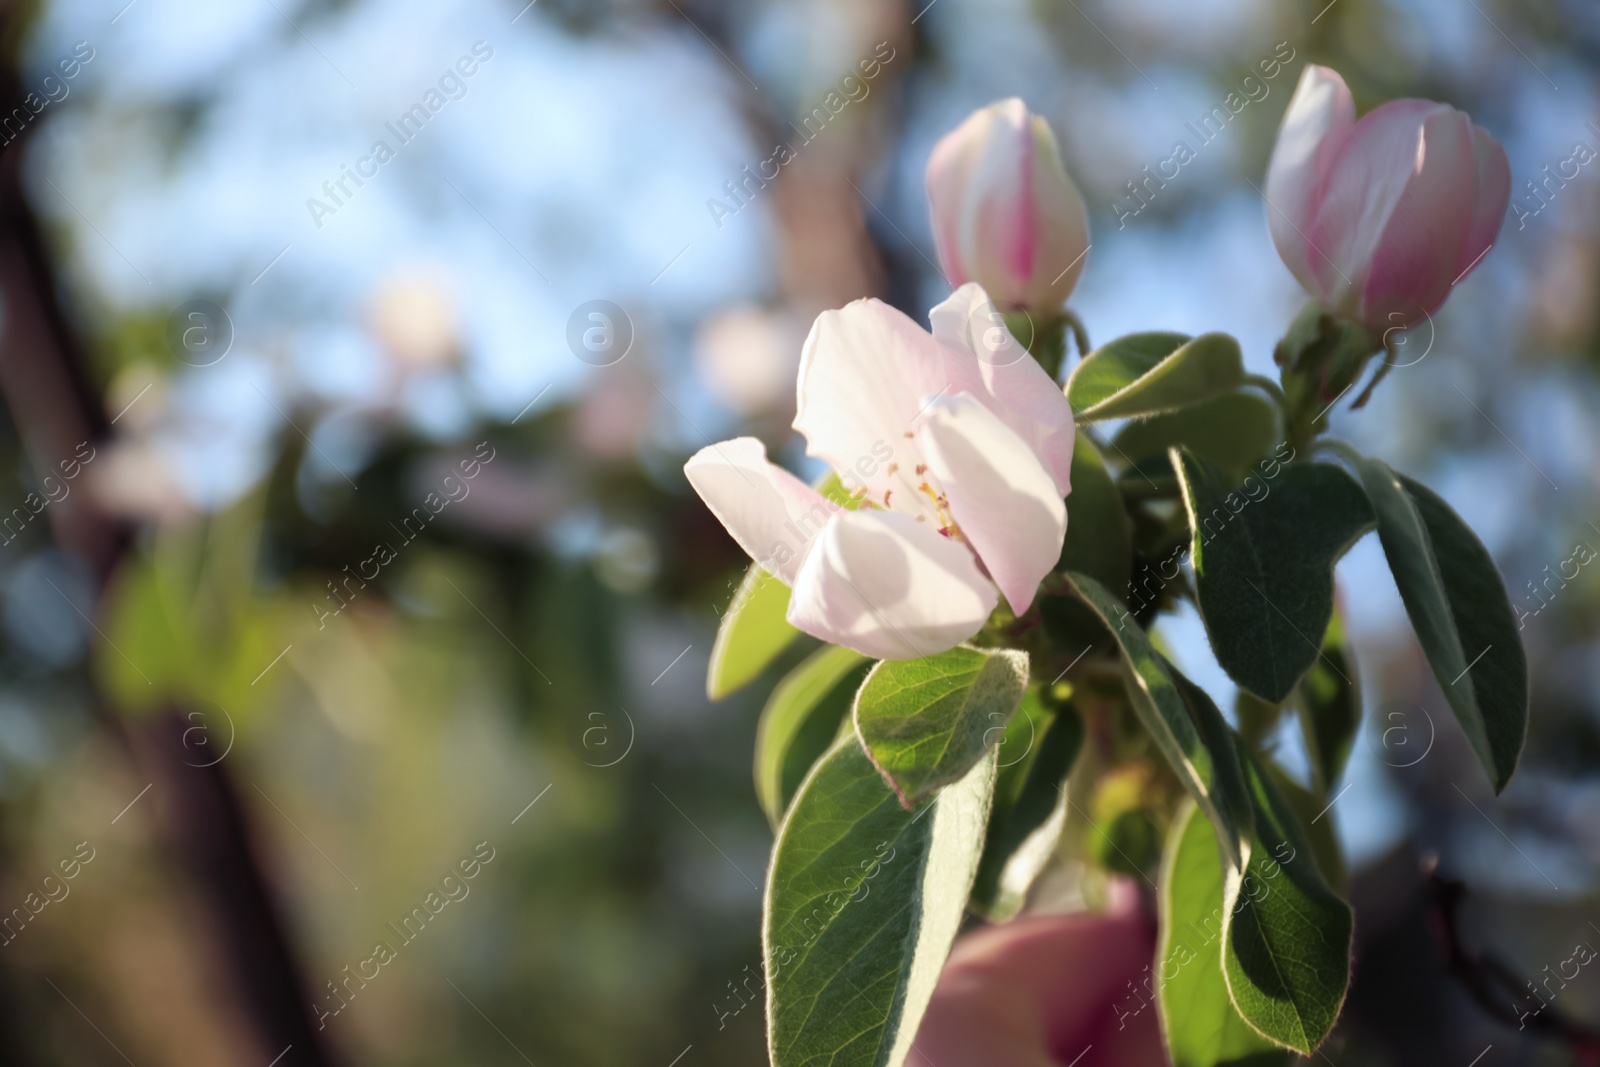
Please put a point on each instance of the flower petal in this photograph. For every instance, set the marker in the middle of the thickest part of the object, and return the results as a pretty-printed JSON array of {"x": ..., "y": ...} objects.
[
  {"x": 773, "y": 515},
  {"x": 865, "y": 373},
  {"x": 1413, "y": 257},
  {"x": 1013, "y": 385},
  {"x": 1000, "y": 494},
  {"x": 1319, "y": 119},
  {"x": 1493, "y": 191},
  {"x": 890, "y": 587}
]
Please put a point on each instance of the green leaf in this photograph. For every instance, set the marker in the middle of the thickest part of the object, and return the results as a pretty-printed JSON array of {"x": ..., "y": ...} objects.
[
  {"x": 863, "y": 903},
  {"x": 800, "y": 722},
  {"x": 1099, "y": 540},
  {"x": 1330, "y": 707},
  {"x": 1212, "y": 777},
  {"x": 925, "y": 722},
  {"x": 1201, "y": 1025},
  {"x": 1263, "y": 558},
  {"x": 1316, "y": 820},
  {"x": 1233, "y": 430},
  {"x": 754, "y": 630},
  {"x": 1287, "y": 935},
  {"x": 1459, "y": 610},
  {"x": 1030, "y": 806},
  {"x": 1147, "y": 373}
]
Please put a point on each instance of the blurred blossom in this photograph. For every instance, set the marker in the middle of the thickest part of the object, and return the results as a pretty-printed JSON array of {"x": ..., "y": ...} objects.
[
  {"x": 747, "y": 358},
  {"x": 1379, "y": 218},
  {"x": 612, "y": 416},
  {"x": 414, "y": 319},
  {"x": 627, "y": 560},
  {"x": 139, "y": 397},
  {"x": 135, "y": 479},
  {"x": 507, "y": 499}
]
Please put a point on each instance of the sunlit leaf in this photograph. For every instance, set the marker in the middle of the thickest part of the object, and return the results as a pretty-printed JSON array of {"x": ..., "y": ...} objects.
[
  {"x": 800, "y": 721},
  {"x": 1288, "y": 935},
  {"x": 753, "y": 631},
  {"x": 1147, "y": 373},
  {"x": 1234, "y": 431},
  {"x": 863, "y": 902},
  {"x": 925, "y": 722},
  {"x": 1200, "y": 1023}
]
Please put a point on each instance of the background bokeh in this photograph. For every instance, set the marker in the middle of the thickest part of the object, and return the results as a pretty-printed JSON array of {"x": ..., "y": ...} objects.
[{"x": 272, "y": 755}]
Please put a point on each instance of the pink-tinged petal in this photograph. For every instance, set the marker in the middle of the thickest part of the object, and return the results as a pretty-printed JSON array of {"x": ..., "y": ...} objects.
[
  {"x": 1000, "y": 494},
  {"x": 1320, "y": 117},
  {"x": 1062, "y": 223},
  {"x": 1380, "y": 160},
  {"x": 773, "y": 515},
  {"x": 1414, "y": 260},
  {"x": 950, "y": 169},
  {"x": 1491, "y": 194},
  {"x": 865, "y": 372},
  {"x": 1012, "y": 384},
  {"x": 1047, "y": 990},
  {"x": 994, "y": 219},
  {"x": 886, "y": 585}
]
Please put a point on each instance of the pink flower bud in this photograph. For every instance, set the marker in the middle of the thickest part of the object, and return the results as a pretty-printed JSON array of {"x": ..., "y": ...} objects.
[
  {"x": 1005, "y": 214},
  {"x": 1379, "y": 218}
]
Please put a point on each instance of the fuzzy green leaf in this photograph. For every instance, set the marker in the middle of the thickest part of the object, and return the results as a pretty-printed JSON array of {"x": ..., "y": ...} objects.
[
  {"x": 1287, "y": 934},
  {"x": 1201, "y": 1025},
  {"x": 1459, "y": 610},
  {"x": 1263, "y": 557},
  {"x": 753, "y": 632},
  {"x": 1147, "y": 373},
  {"x": 800, "y": 722},
  {"x": 925, "y": 722},
  {"x": 863, "y": 903},
  {"x": 1233, "y": 430}
]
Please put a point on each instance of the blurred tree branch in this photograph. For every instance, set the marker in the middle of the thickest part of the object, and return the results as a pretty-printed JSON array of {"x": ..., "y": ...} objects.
[{"x": 45, "y": 385}]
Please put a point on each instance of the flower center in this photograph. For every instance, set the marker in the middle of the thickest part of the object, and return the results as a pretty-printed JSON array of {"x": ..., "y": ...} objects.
[{"x": 920, "y": 495}]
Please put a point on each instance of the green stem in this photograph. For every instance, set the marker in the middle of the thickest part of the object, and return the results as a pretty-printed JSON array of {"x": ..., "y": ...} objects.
[{"x": 1080, "y": 335}]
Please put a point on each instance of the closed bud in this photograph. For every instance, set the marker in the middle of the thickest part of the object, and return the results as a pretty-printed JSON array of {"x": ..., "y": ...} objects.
[{"x": 1005, "y": 214}]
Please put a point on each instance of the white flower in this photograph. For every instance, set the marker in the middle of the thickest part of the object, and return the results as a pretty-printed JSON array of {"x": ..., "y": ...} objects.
[{"x": 958, "y": 447}]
